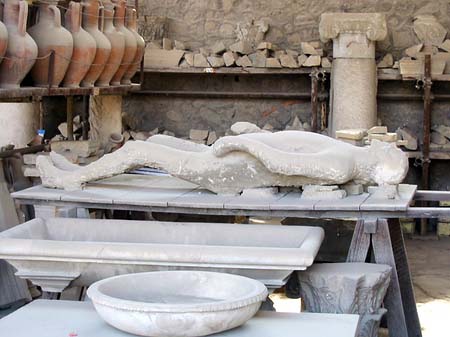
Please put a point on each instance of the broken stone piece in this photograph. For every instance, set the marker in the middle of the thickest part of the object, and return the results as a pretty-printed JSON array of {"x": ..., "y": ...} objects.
[
  {"x": 167, "y": 44},
  {"x": 429, "y": 30},
  {"x": 288, "y": 61},
  {"x": 384, "y": 192},
  {"x": 302, "y": 59},
  {"x": 141, "y": 135},
  {"x": 189, "y": 58},
  {"x": 353, "y": 189},
  {"x": 195, "y": 134},
  {"x": 296, "y": 125},
  {"x": 443, "y": 130},
  {"x": 219, "y": 48},
  {"x": 268, "y": 127},
  {"x": 326, "y": 63},
  {"x": 315, "y": 44},
  {"x": 179, "y": 45},
  {"x": 258, "y": 60},
  {"x": 378, "y": 130},
  {"x": 230, "y": 58},
  {"x": 445, "y": 45},
  {"x": 62, "y": 128},
  {"x": 386, "y": 62},
  {"x": 277, "y": 54},
  {"x": 414, "y": 50},
  {"x": 292, "y": 53},
  {"x": 153, "y": 45},
  {"x": 313, "y": 61},
  {"x": 83, "y": 148},
  {"x": 212, "y": 137},
  {"x": 409, "y": 136},
  {"x": 244, "y": 61},
  {"x": 200, "y": 61},
  {"x": 216, "y": 61},
  {"x": 160, "y": 58},
  {"x": 320, "y": 188},
  {"x": 205, "y": 52},
  {"x": 240, "y": 128},
  {"x": 265, "y": 45},
  {"x": 323, "y": 195},
  {"x": 272, "y": 62},
  {"x": 307, "y": 49},
  {"x": 388, "y": 137},
  {"x": 242, "y": 47},
  {"x": 354, "y": 134},
  {"x": 168, "y": 133},
  {"x": 438, "y": 139}
]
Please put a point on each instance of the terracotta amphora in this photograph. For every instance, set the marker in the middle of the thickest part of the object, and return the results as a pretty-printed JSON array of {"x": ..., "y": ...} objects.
[
  {"x": 130, "y": 41},
  {"x": 132, "y": 26},
  {"x": 117, "y": 39},
  {"x": 50, "y": 37},
  {"x": 3, "y": 38},
  {"x": 22, "y": 51},
  {"x": 90, "y": 24},
  {"x": 84, "y": 47}
]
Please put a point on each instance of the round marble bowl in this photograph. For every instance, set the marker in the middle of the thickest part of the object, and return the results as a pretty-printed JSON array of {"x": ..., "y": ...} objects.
[{"x": 177, "y": 303}]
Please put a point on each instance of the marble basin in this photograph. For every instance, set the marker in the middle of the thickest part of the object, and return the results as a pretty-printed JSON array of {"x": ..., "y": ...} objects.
[
  {"x": 177, "y": 303},
  {"x": 57, "y": 253}
]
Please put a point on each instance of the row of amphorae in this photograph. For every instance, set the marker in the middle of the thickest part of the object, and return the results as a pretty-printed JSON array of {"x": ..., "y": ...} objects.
[{"x": 93, "y": 47}]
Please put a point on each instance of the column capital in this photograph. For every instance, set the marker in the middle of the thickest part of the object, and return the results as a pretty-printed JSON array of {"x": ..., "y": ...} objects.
[{"x": 372, "y": 25}]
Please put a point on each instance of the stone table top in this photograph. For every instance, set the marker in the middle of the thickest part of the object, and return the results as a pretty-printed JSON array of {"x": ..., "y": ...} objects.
[
  {"x": 44, "y": 318},
  {"x": 169, "y": 194}
]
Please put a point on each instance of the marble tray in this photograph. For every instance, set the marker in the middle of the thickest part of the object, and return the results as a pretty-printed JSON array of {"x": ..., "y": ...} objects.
[{"x": 56, "y": 253}]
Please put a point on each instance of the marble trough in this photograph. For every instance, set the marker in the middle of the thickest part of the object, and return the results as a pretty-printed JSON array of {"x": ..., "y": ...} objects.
[
  {"x": 58, "y": 253},
  {"x": 177, "y": 303}
]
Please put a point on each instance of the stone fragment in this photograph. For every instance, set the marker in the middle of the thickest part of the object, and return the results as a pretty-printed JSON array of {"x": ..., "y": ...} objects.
[
  {"x": 167, "y": 44},
  {"x": 141, "y": 135},
  {"x": 31, "y": 171},
  {"x": 62, "y": 128},
  {"x": 386, "y": 62},
  {"x": 296, "y": 125},
  {"x": 216, "y": 61},
  {"x": 212, "y": 137},
  {"x": 445, "y": 45},
  {"x": 184, "y": 64},
  {"x": 315, "y": 44},
  {"x": 384, "y": 192},
  {"x": 179, "y": 45},
  {"x": 292, "y": 53},
  {"x": 265, "y": 52},
  {"x": 320, "y": 188},
  {"x": 240, "y": 128},
  {"x": 258, "y": 60},
  {"x": 354, "y": 134},
  {"x": 353, "y": 189},
  {"x": 268, "y": 127},
  {"x": 200, "y": 61},
  {"x": 409, "y": 136},
  {"x": 388, "y": 137},
  {"x": 307, "y": 126},
  {"x": 272, "y": 62},
  {"x": 414, "y": 50},
  {"x": 307, "y": 49},
  {"x": 189, "y": 57},
  {"x": 443, "y": 130},
  {"x": 396, "y": 65},
  {"x": 160, "y": 58},
  {"x": 326, "y": 63},
  {"x": 30, "y": 158},
  {"x": 288, "y": 61},
  {"x": 324, "y": 195},
  {"x": 168, "y": 133},
  {"x": 277, "y": 54},
  {"x": 242, "y": 47},
  {"x": 302, "y": 59},
  {"x": 410, "y": 68},
  {"x": 438, "y": 139},
  {"x": 230, "y": 58},
  {"x": 83, "y": 148},
  {"x": 265, "y": 45},
  {"x": 244, "y": 61},
  {"x": 319, "y": 52},
  {"x": 429, "y": 30},
  {"x": 205, "y": 52},
  {"x": 378, "y": 129},
  {"x": 153, "y": 45},
  {"x": 195, "y": 134},
  {"x": 219, "y": 48},
  {"x": 313, "y": 61}
]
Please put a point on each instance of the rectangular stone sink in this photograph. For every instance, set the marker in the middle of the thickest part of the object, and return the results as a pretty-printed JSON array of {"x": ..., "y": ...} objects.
[{"x": 56, "y": 253}]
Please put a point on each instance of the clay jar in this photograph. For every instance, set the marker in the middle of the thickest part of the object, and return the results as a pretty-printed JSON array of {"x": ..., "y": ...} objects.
[
  {"x": 84, "y": 47},
  {"x": 22, "y": 51},
  {"x": 132, "y": 26},
  {"x": 117, "y": 39},
  {"x": 50, "y": 36},
  {"x": 103, "y": 46},
  {"x": 130, "y": 41}
]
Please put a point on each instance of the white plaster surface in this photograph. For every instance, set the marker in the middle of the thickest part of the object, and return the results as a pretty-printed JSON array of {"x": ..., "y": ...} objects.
[
  {"x": 177, "y": 303},
  {"x": 19, "y": 124},
  {"x": 60, "y": 250}
]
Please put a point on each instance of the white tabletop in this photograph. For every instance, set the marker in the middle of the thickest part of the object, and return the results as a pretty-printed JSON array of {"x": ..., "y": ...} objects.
[{"x": 79, "y": 319}]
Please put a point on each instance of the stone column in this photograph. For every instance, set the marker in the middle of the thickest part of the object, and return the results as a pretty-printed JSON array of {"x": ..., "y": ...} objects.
[
  {"x": 347, "y": 288},
  {"x": 354, "y": 72}
]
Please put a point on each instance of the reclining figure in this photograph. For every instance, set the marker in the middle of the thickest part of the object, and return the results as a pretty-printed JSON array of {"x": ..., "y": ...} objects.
[{"x": 236, "y": 163}]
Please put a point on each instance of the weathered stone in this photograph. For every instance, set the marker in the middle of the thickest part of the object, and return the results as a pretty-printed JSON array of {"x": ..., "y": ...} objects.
[
  {"x": 272, "y": 62},
  {"x": 429, "y": 30},
  {"x": 268, "y": 127},
  {"x": 386, "y": 62},
  {"x": 320, "y": 188},
  {"x": 388, "y": 137},
  {"x": 296, "y": 125},
  {"x": 83, "y": 148},
  {"x": 195, "y": 134},
  {"x": 141, "y": 135},
  {"x": 378, "y": 129},
  {"x": 230, "y": 58},
  {"x": 258, "y": 60},
  {"x": 219, "y": 48},
  {"x": 445, "y": 45},
  {"x": 205, "y": 52},
  {"x": 167, "y": 44},
  {"x": 189, "y": 57},
  {"x": 153, "y": 45},
  {"x": 292, "y": 53},
  {"x": 408, "y": 135},
  {"x": 200, "y": 61},
  {"x": 277, "y": 54},
  {"x": 240, "y": 128},
  {"x": 315, "y": 44},
  {"x": 184, "y": 64},
  {"x": 30, "y": 158},
  {"x": 161, "y": 58},
  {"x": 168, "y": 133},
  {"x": 313, "y": 61},
  {"x": 438, "y": 139},
  {"x": 443, "y": 130},
  {"x": 244, "y": 61},
  {"x": 242, "y": 47},
  {"x": 326, "y": 63},
  {"x": 212, "y": 137},
  {"x": 288, "y": 61},
  {"x": 302, "y": 59},
  {"x": 216, "y": 61},
  {"x": 179, "y": 45},
  {"x": 353, "y": 189},
  {"x": 389, "y": 192},
  {"x": 354, "y": 134},
  {"x": 323, "y": 193},
  {"x": 307, "y": 49},
  {"x": 414, "y": 50},
  {"x": 265, "y": 45}
]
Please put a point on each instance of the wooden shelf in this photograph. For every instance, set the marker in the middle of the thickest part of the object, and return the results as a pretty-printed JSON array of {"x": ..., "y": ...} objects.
[
  {"x": 434, "y": 155},
  {"x": 233, "y": 71}
]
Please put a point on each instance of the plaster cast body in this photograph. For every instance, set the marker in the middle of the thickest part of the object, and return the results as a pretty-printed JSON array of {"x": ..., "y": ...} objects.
[
  {"x": 177, "y": 303},
  {"x": 236, "y": 163}
]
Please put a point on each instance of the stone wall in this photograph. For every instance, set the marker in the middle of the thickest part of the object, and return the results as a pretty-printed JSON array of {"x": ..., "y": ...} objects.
[{"x": 201, "y": 23}]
